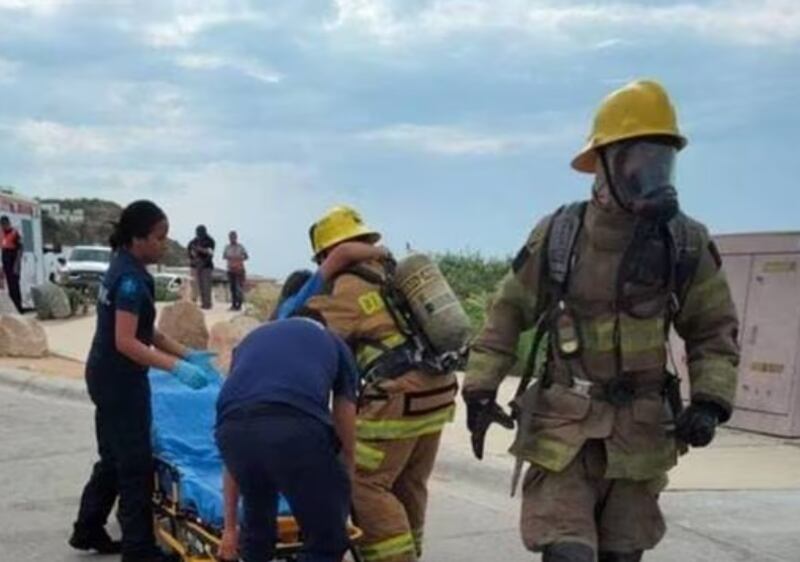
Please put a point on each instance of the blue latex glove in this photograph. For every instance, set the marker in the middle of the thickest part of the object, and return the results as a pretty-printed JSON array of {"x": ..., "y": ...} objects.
[
  {"x": 205, "y": 360},
  {"x": 201, "y": 358},
  {"x": 189, "y": 374}
]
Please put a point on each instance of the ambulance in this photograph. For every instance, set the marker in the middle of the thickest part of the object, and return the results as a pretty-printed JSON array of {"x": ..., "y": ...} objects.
[{"x": 26, "y": 216}]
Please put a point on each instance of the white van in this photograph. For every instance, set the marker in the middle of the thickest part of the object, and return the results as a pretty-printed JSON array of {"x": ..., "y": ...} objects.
[{"x": 26, "y": 216}]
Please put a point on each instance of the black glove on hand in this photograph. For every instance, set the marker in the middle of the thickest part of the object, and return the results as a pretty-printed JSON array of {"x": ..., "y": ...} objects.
[
  {"x": 697, "y": 424},
  {"x": 482, "y": 410}
]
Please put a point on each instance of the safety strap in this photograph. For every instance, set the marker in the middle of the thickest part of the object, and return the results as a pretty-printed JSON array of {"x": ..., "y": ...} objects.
[
  {"x": 560, "y": 241},
  {"x": 561, "y": 238}
]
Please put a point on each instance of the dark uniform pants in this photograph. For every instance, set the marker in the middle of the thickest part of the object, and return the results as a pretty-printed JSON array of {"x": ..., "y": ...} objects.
[
  {"x": 125, "y": 469},
  {"x": 14, "y": 292},
  {"x": 580, "y": 505},
  {"x": 236, "y": 281},
  {"x": 289, "y": 452}
]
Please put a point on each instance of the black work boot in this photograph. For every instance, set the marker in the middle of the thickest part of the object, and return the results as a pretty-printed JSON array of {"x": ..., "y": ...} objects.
[
  {"x": 634, "y": 556},
  {"x": 97, "y": 540},
  {"x": 568, "y": 552}
]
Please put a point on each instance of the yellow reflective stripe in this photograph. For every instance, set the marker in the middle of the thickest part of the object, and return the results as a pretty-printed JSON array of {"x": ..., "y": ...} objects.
[
  {"x": 368, "y": 457},
  {"x": 714, "y": 376},
  {"x": 640, "y": 335},
  {"x": 547, "y": 453},
  {"x": 636, "y": 335},
  {"x": 711, "y": 294},
  {"x": 367, "y": 353},
  {"x": 395, "y": 546},
  {"x": 598, "y": 335},
  {"x": 404, "y": 428}
]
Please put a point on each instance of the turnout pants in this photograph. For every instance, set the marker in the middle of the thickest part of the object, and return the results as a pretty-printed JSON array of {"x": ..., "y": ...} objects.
[
  {"x": 280, "y": 449},
  {"x": 400, "y": 425},
  {"x": 580, "y": 505}
]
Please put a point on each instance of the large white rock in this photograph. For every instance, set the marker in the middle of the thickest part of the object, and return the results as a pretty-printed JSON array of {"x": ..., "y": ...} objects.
[
  {"x": 225, "y": 336},
  {"x": 51, "y": 301},
  {"x": 6, "y": 304},
  {"x": 21, "y": 337},
  {"x": 184, "y": 322}
]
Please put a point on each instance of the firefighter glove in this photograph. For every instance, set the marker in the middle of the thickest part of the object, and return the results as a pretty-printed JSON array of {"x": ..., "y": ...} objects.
[
  {"x": 697, "y": 424},
  {"x": 482, "y": 411}
]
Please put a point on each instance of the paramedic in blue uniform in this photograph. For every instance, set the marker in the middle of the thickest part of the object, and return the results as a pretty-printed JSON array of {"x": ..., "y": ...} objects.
[
  {"x": 125, "y": 346},
  {"x": 277, "y": 434}
]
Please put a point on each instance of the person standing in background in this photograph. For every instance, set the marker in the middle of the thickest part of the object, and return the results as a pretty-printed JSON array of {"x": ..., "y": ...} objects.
[
  {"x": 201, "y": 260},
  {"x": 236, "y": 254},
  {"x": 11, "y": 243}
]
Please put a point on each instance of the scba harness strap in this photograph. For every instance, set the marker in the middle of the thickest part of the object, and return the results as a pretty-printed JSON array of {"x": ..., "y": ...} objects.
[{"x": 552, "y": 310}]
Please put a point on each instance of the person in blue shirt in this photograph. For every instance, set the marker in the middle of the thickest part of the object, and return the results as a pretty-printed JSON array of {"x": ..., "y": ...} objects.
[
  {"x": 126, "y": 345},
  {"x": 277, "y": 434}
]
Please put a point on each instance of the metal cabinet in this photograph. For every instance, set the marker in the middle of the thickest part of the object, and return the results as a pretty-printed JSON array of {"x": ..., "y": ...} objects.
[{"x": 764, "y": 274}]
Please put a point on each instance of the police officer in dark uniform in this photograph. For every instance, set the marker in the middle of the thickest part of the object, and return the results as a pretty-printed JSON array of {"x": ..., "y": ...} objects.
[{"x": 125, "y": 346}]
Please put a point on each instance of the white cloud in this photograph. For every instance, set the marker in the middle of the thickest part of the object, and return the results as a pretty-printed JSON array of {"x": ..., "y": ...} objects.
[
  {"x": 251, "y": 68},
  {"x": 455, "y": 141},
  {"x": 197, "y": 18},
  {"x": 49, "y": 139},
  {"x": 39, "y": 7},
  {"x": 734, "y": 21},
  {"x": 270, "y": 204}
]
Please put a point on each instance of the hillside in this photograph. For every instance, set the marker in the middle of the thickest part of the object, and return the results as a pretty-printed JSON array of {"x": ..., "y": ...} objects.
[{"x": 96, "y": 227}]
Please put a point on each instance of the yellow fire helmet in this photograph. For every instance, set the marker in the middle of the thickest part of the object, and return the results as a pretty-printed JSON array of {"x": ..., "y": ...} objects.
[
  {"x": 339, "y": 224},
  {"x": 639, "y": 109}
]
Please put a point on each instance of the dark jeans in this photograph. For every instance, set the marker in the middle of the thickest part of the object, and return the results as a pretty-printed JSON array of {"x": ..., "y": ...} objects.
[
  {"x": 296, "y": 455},
  {"x": 236, "y": 280},
  {"x": 14, "y": 293},
  {"x": 125, "y": 469}
]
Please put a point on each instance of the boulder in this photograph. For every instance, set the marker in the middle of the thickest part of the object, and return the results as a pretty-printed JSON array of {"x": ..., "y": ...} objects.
[
  {"x": 51, "y": 301},
  {"x": 21, "y": 337},
  {"x": 225, "y": 336},
  {"x": 261, "y": 300},
  {"x": 6, "y": 304},
  {"x": 185, "y": 323}
]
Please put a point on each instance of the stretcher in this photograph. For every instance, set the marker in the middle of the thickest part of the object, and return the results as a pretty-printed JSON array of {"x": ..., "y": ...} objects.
[{"x": 188, "y": 503}]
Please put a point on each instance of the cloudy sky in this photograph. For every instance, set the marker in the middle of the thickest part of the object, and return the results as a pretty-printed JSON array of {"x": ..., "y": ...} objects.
[{"x": 450, "y": 123}]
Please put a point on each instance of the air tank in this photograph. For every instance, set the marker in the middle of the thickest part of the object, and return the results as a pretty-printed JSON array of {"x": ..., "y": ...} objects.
[{"x": 433, "y": 303}]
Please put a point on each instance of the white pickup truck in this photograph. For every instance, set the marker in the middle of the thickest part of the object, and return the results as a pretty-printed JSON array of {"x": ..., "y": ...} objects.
[{"x": 84, "y": 265}]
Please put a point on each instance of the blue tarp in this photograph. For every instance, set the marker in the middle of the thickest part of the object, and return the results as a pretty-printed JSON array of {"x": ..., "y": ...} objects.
[{"x": 183, "y": 436}]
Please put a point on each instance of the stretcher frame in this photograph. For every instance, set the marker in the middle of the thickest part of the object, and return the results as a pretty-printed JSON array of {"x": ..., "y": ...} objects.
[{"x": 194, "y": 540}]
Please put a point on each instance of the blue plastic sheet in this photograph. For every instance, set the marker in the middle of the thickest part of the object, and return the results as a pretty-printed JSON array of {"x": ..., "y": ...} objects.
[{"x": 183, "y": 436}]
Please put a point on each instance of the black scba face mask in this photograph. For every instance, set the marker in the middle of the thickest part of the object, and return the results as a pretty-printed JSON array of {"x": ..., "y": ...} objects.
[{"x": 641, "y": 175}]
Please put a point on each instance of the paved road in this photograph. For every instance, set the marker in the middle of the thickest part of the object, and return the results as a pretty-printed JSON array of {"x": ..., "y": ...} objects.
[{"x": 46, "y": 451}]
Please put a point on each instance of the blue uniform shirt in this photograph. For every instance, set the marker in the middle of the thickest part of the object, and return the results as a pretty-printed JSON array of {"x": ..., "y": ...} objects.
[
  {"x": 127, "y": 286},
  {"x": 294, "y": 362},
  {"x": 310, "y": 288}
]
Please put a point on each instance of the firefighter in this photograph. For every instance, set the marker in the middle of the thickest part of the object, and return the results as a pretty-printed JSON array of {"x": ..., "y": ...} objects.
[
  {"x": 402, "y": 410},
  {"x": 602, "y": 281}
]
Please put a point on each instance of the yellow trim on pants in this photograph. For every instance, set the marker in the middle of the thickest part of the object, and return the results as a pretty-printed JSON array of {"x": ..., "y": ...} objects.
[
  {"x": 367, "y": 457},
  {"x": 394, "y": 546},
  {"x": 405, "y": 428}
]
